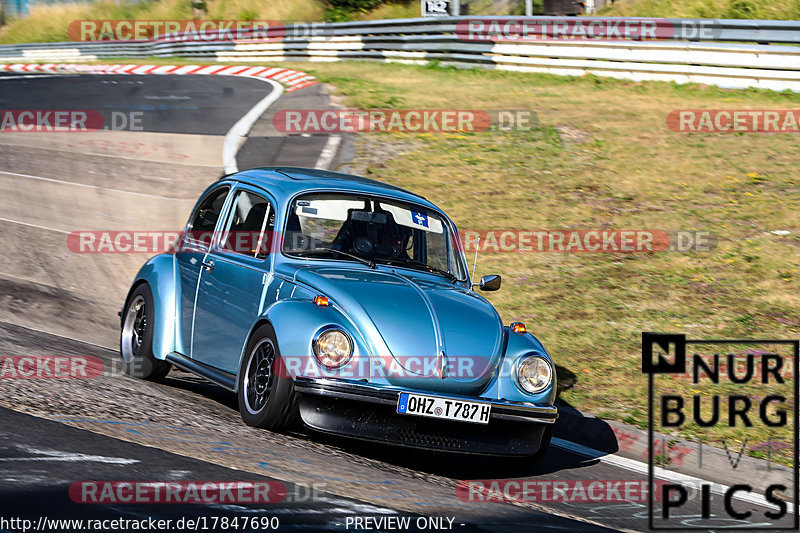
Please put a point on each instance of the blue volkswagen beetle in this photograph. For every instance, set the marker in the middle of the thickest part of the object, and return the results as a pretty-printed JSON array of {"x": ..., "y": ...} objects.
[{"x": 344, "y": 303}]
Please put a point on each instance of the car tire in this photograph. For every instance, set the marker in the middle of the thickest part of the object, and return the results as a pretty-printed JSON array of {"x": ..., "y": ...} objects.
[
  {"x": 266, "y": 394},
  {"x": 136, "y": 337},
  {"x": 544, "y": 445}
]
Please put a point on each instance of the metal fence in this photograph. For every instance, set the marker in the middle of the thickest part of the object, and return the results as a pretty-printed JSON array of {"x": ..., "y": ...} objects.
[{"x": 732, "y": 53}]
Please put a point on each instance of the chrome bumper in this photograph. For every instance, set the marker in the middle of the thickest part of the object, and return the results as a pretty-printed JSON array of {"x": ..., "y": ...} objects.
[{"x": 364, "y": 392}]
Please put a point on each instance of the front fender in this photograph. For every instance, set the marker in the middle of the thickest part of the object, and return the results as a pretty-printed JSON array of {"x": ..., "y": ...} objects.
[
  {"x": 160, "y": 273},
  {"x": 296, "y": 322},
  {"x": 504, "y": 385}
]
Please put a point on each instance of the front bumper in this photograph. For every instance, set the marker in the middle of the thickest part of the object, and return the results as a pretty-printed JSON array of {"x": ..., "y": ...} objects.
[{"x": 368, "y": 412}]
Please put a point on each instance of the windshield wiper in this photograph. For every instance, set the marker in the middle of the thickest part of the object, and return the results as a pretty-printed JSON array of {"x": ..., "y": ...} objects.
[
  {"x": 323, "y": 251},
  {"x": 414, "y": 262}
]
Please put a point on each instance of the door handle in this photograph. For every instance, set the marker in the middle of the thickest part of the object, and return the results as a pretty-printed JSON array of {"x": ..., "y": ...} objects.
[{"x": 208, "y": 264}]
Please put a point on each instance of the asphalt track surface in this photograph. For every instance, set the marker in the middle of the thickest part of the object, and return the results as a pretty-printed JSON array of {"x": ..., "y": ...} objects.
[
  {"x": 56, "y": 302},
  {"x": 168, "y": 104}
]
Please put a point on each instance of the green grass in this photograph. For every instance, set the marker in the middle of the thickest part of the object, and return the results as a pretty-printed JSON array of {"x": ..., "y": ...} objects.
[
  {"x": 48, "y": 23},
  {"x": 603, "y": 157},
  {"x": 730, "y": 9}
]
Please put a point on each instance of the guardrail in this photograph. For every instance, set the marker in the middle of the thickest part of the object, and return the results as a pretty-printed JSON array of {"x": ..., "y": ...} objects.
[{"x": 733, "y": 53}]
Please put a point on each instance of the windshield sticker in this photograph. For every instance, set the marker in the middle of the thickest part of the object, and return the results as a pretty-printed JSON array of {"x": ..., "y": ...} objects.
[{"x": 419, "y": 219}]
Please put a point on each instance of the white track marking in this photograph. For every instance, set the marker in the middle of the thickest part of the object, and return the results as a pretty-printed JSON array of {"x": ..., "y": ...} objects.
[
  {"x": 69, "y": 457},
  {"x": 31, "y": 76},
  {"x": 64, "y": 182},
  {"x": 329, "y": 152},
  {"x": 243, "y": 126},
  {"x": 639, "y": 467},
  {"x": 119, "y": 156},
  {"x": 33, "y": 225}
]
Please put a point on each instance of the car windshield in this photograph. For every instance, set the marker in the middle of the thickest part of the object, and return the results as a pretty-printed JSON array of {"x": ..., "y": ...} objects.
[{"x": 354, "y": 227}]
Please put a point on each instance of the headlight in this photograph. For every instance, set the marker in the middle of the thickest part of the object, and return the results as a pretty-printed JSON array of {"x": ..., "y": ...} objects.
[
  {"x": 332, "y": 348},
  {"x": 534, "y": 374}
]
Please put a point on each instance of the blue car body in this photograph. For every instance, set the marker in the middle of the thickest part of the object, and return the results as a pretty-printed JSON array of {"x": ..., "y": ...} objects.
[{"x": 203, "y": 319}]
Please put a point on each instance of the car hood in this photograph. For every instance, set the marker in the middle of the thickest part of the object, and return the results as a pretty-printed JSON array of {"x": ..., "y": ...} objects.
[{"x": 420, "y": 322}]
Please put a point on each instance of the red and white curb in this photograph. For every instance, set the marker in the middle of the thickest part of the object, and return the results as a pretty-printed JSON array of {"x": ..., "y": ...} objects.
[
  {"x": 291, "y": 79},
  {"x": 279, "y": 78}
]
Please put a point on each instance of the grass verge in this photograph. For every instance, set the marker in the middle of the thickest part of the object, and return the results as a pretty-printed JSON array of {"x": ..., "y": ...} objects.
[
  {"x": 48, "y": 23},
  {"x": 727, "y": 9},
  {"x": 603, "y": 157}
]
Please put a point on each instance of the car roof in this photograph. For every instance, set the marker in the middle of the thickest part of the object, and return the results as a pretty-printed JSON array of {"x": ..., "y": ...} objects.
[{"x": 286, "y": 182}]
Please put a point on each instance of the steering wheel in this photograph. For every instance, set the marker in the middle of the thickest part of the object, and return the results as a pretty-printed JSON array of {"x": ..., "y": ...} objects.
[{"x": 363, "y": 245}]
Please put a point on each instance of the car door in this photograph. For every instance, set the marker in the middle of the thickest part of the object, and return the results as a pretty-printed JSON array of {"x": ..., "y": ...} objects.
[
  {"x": 191, "y": 250},
  {"x": 230, "y": 293}
]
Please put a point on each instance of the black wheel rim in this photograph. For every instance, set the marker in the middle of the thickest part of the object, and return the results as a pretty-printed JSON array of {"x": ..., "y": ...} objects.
[
  {"x": 259, "y": 376},
  {"x": 139, "y": 327}
]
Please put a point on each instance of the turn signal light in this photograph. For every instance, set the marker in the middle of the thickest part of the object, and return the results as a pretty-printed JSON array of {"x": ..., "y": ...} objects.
[
  {"x": 518, "y": 327},
  {"x": 322, "y": 301}
]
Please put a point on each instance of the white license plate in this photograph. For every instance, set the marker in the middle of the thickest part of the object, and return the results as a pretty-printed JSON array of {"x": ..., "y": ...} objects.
[{"x": 449, "y": 409}]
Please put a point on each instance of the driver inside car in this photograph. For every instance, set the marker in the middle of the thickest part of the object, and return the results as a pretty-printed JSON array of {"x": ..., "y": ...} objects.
[{"x": 372, "y": 234}]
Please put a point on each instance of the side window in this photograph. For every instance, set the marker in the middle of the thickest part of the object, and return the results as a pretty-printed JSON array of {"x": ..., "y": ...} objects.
[
  {"x": 249, "y": 227},
  {"x": 204, "y": 219},
  {"x": 438, "y": 250}
]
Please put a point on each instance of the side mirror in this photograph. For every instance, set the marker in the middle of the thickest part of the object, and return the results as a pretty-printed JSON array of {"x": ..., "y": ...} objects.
[{"x": 490, "y": 283}]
